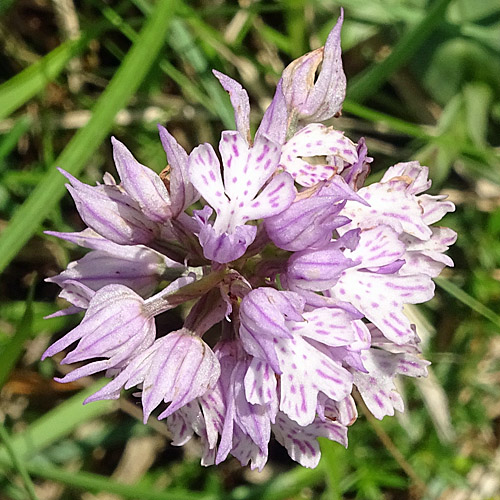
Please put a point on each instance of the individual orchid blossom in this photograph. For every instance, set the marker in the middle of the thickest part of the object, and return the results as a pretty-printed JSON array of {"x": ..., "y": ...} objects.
[
  {"x": 293, "y": 273},
  {"x": 237, "y": 200}
]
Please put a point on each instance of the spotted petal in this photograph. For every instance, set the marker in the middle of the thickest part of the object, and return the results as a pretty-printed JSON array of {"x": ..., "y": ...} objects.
[
  {"x": 305, "y": 372},
  {"x": 205, "y": 175},
  {"x": 301, "y": 441},
  {"x": 317, "y": 140}
]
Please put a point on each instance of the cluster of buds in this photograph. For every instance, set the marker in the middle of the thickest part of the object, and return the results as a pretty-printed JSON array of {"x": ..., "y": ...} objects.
[{"x": 277, "y": 243}]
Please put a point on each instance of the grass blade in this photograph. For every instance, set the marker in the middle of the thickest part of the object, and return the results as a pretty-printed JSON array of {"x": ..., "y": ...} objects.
[
  {"x": 90, "y": 482},
  {"x": 127, "y": 79},
  {"x": 11, "y": 353},
  {"x": 22, "y": 87},
  {"x": 18, "y": 463},
  {"x": 466, "y": 299}
]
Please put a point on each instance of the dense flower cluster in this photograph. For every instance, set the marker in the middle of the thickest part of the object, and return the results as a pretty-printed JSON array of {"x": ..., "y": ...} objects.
[{"x": 304, "y": 269}]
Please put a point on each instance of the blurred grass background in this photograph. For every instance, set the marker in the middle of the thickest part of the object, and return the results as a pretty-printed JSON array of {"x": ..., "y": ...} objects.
[{"x": 423, "y": 83}]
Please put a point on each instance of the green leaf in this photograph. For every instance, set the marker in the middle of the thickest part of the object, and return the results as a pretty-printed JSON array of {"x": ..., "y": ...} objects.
[
  {"x": 365, "y": 85},
  {"x": 127, "y": 79},
  {"x": 477, "y": 99}
]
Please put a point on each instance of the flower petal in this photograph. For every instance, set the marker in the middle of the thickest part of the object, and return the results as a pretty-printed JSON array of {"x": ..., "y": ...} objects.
[
  {"x": 239, "y": 101},
  {"x": 142, "y": 184}
]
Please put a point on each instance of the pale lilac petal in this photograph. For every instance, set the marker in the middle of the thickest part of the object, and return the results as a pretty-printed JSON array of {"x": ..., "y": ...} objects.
[
  {"x": 261, "y": 386},
  {"x": 115, "y": 327},
  {"x": 357, "y": 173},
  {"x": 111, "y": 212},
  {"x": 180, "y": 423},
  {"x": 276, "y": 197},
  {"x": 182, "y": 192},
  {"x": 224, "y": 247},
  {"x": 252, "y": 419},
  {"x": 319, "y": 100},
  {"x": 266, "y": 309},
  {"x": 317, "y": 269},
  {"x": 309, "y": 222},
  {"x": 427, "y": 257},
  {"x": 317, "y": 140},
  {"x": 245, "y": 450},
  {"x": 88, "y": 238},
  {"x": 274, "y": 123},
  {"x": 344, "y": 411},
  {"x": 205, "y": 175},
  {"x": 263, "y": 316},
  {"x": 76, "y": 293},
  {"x": 263, "y": 159},
  {"x": 381, "y": 297},
  {"x": 234, "y": 151},
  {"x": 142, "y": 184},
  {"x": 306, "y": 372},
  {"x": 434, "y": 207},
  {"x": 328, "y": 94},
  {"x": 239, "y": 101},
  {"x": 330, "y": 326},
  {"x": 412, "y": 171},
  {"x": 183, "y": 369},
  {"x": 301, "y": 441},
  {"x": 377, "y": 387},
  {"x": 138, "y": 268},
  {"x": 392, "y": 205},
  {"x": 377, "y": 248}
]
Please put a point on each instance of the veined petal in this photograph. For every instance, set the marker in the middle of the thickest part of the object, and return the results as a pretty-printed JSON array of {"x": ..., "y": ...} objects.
[
  {"x": 225, "y": 247},
  {"x": 412, "y": 171},
  {"x": 182, "y": 192},
  {"x": 136, "y": 267},
  {"x": 263, "y": 159},
  {"x": 142, "y": 184},
  {"x": 377, "y": 386},
  {"x": 317, "y": 270},
  {"x": 377, "y": 247},
  {"x": 274, "y": 123},
  {"x": 115, "y": 327},
  {"x": 112, "y": 213},
  {"x": 317, "y": 101},
  {"x": 261, "y": 386}
]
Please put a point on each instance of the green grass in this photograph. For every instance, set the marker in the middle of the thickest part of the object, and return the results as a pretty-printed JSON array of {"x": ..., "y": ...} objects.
[{"x": 423, "y": 83}]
